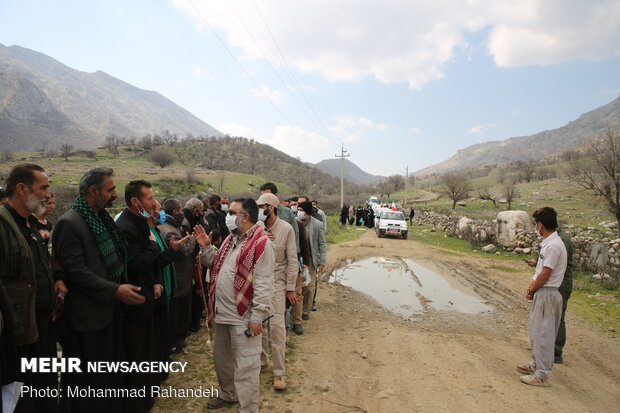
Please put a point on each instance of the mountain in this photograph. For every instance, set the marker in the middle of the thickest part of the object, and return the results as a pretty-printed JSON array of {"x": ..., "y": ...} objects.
[
  {"x": 352, "y": 172},
  {"x": 42, "y": 100},
  {"x": 540, "y": 145}
]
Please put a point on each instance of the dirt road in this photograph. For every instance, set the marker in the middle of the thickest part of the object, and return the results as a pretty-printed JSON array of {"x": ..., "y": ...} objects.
[{"x": 357, "y": 356}]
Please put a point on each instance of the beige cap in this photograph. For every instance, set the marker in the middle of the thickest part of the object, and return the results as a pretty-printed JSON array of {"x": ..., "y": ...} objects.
[{"x": 268, "y": 199}]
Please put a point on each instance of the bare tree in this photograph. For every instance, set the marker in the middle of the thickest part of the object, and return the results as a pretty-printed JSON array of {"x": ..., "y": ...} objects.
[
  {"x": 42, "y": 146},
  {"x": 111, "y": 143},
  {"x": 146, "y": 143},
  {"x": 526, "y": 170},
  {"x": 162, "y": 158},
  {"x": 599, "y": 171},
  {"x": 221, "y": 178},
  {"x": 7, "y": 156},
  {"x": 509, "y": 190},
  {"x": 457, "y": 187},
  {"x": 190, "y": 176},
  {"x": 65, "y": 150},
  {"x": 485, "y": 194},
  {"x": 169, "y": 138},
  {"x": 91, "y": 155}
]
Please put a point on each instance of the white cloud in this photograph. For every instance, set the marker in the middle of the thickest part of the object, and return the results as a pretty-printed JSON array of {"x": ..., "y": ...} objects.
[
  {"x": 201, "y": 73},
  {"x": 413, "y": 41},
  {"x": 417, "y": 131},
  {"x": 295, "y": 141},
  {"x": 477, "y": 130},
  {"x": 235, "y": 129},
  {"x": 292, "y": 140},
  {"x": 266, "y": 92},
  {"x": 350, "y": 128}
]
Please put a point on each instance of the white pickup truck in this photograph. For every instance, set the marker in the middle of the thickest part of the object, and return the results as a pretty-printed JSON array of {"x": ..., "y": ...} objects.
[{"x": 391, "y": 223}]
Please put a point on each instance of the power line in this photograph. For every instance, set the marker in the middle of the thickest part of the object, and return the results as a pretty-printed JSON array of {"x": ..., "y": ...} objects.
[
  {"x": 239, "y": 63},
  {"x": 289, "y": 70},
  {"x": 272, "y": 66}
]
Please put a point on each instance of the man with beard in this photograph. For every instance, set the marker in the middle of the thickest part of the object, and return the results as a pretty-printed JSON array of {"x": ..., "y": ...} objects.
[
  {"x": 143, "y": 271},
  {"x": 285, "y": 214},
  {"x": 284, "y": 277},
  {"x": 318, "y": 253},
  {"x": 185, "y": 266},
  {"x": 215, "y": 217},
  {"x": 43, "y": 225},
  {"x": 93, "y": 254},
  {"x": 239, "y": 298},
  {"x": 28, "y": 279}
]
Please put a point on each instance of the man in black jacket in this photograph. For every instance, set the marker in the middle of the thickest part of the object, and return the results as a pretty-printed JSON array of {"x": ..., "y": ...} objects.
[
  {"x": 93, "y": 256},
  {"x": 143, "y": 271},
  {"x": 28, "y": 279}
]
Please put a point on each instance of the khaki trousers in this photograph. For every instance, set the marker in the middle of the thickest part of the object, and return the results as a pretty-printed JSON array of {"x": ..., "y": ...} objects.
[
  {"x": 298, "y": 309},
  {"x": 237, "y": 364},
  {"x": 277, "y": 333},
  {"x": 309, "y": 295}
]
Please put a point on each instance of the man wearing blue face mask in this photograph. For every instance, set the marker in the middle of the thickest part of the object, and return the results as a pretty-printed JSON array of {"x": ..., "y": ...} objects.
[
  {"x": 143, "y": 271},
  {"x": 167, "y": 257}
]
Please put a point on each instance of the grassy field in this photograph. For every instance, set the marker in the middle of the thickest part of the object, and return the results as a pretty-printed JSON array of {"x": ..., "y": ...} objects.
[
  {"x": 422, "y": 233},
  {"x": 595, "y": 303},
  {"x": 337, "y": 234},
  {"x": 169, "y": 181}
]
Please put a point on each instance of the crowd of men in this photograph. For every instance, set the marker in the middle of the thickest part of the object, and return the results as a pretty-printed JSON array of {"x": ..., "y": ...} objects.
[{"x": 133, "y": 287}]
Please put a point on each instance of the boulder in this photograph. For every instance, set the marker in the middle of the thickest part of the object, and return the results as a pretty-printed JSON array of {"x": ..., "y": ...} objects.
[
  {"x": 599, "y": 255},
  {"x": 489, "y": 248},
  {"x": 511, "y": 223},
  {"x": 464, "y": 222},
  {"x": 461, "y": 203}
]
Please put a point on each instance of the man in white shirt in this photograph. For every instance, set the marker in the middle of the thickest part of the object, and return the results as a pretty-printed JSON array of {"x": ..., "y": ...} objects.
[{"x": 546, "y": 310}]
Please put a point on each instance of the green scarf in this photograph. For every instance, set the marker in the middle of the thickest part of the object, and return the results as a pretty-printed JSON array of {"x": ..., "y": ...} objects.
[
  {"x": 169, "y": 273},
  {"x": 110, "y": 242}
]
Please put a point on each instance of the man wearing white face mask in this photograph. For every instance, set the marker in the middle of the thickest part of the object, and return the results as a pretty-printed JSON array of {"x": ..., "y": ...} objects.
[
  {"x": 546, "y": 310},
  {"x": 318, "y": 252},
  {"x": 284, "y": 277},
  {"x": 240, "y": 294}
]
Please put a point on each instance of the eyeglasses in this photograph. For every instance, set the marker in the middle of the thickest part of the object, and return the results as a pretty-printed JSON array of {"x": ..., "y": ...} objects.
[{"x": 236, "y": 212}]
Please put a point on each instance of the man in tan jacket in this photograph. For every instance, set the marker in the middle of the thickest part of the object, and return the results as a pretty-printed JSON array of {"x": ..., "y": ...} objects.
[{"x": 284, "y": 277}]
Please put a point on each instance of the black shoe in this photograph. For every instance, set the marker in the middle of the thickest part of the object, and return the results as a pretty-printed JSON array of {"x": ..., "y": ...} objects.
[
  {"x": 298, "y": 329},
  {"x": 558, "y": 360},
  {"x": 217, "y": 403},
  {"x": 305, "y": 317},
  {"x": 314, "y": 307}
]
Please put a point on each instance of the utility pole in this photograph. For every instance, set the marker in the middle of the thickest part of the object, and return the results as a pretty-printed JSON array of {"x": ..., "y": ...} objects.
[
  {"x": 406, "y": 185},
  {"x": 343, "y": 154}
]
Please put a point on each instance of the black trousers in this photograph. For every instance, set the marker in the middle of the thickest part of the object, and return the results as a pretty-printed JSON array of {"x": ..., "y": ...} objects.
[
  {"x": 45, "y": 346},
  {"x": 141, "y": 345},
  {"x": 105, "y": 344}
]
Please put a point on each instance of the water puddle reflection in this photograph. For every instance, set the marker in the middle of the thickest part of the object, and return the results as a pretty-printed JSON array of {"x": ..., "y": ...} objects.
[{"x": 407, "y": 288}]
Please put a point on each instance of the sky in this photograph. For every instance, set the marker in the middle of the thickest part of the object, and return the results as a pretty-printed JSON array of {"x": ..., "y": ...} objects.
[{"x": 398, "y": 83}]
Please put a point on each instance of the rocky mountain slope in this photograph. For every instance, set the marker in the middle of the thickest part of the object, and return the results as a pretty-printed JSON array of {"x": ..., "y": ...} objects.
[
  {"x": 42, "y": 100},
  {"x": 352, "y": 172},
  {"x": 540, "y": 145}
]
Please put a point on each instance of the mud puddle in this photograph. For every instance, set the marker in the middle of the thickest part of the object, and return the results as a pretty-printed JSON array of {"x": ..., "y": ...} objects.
[{"x": 407, "y": 288}]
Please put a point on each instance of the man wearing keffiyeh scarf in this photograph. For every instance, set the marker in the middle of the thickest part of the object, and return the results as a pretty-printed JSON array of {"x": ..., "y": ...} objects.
[
  {"x": 240, "y": 294},
  {"x": 92, "y": 255}
]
